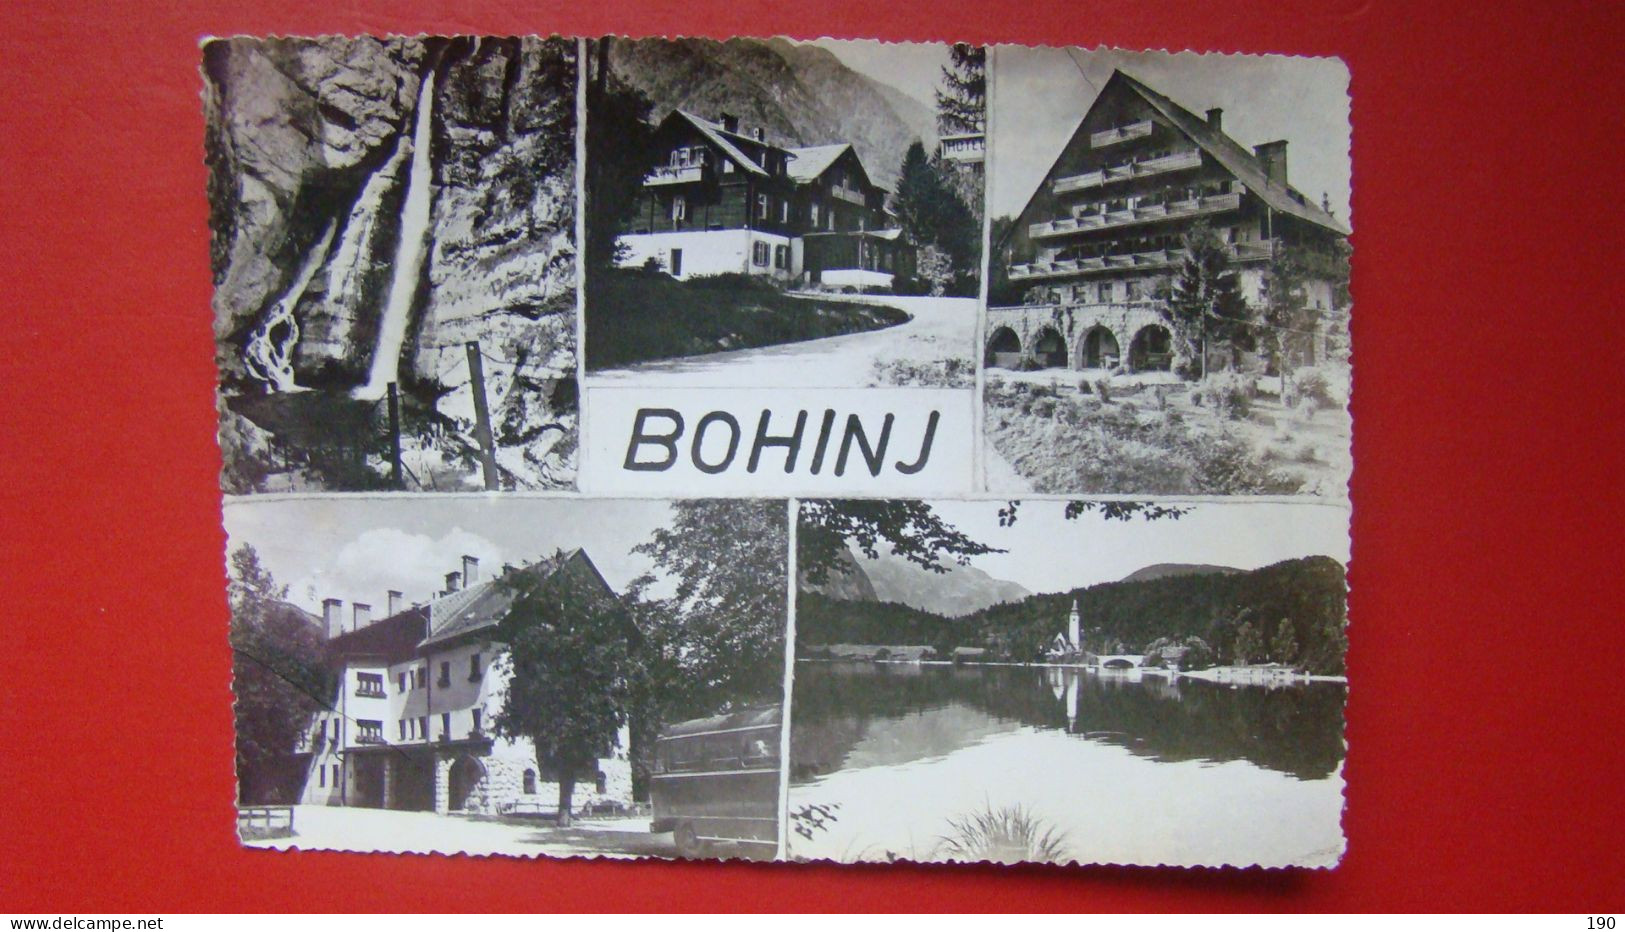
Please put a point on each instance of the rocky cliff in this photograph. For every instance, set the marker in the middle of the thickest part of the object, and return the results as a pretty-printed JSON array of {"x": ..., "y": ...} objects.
[{"x": 310, "y": 146}]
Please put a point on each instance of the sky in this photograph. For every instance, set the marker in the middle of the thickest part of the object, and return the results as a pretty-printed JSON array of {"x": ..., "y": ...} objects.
[
  {"x": 1039, "y": 95},
  {"x": 1047, "y": 553},
  {"x": 357, "y": 549},
  {"x": 915, "y": 68}
]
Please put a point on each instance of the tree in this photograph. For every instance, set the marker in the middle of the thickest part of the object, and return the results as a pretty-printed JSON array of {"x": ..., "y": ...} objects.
[
  {"x": 1249, "y": 643},
  {"x": 1206, "y": 301},
  {"x": 1284, "y": 646},
  {"x": 962, "y": 97},
  {"x": 716, "y": 642},
  {"x": 619, "y": 153},
  {"x": 571, "y": 663},
  {"x": 912, "y": 530},
  {"x": 1290, "y": 333},
  {"x": 279, "y": 678},
  {"x": 931, "y": 214}
]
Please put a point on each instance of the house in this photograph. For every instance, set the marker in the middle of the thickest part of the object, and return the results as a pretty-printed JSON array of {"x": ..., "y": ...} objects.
[
  {"x": 721, "y": 201},
  {"x": 1102, "y": 235},
  {"x": 410, "y": 726}
]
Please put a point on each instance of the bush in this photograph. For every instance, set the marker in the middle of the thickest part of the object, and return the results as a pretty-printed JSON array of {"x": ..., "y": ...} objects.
[
  {"x": 1311, "y": 385},
  {"x": 1231, "y": 393},
  {"x": 1103, "y": 388}
]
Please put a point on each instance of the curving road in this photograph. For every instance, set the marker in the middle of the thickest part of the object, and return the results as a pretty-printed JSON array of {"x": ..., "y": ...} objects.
[{"x": 941, "y": 329}]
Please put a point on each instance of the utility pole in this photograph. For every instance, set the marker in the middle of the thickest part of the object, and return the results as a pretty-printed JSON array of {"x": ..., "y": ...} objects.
[
  {"x": 482, "y": 416},
  {"x": 395, "y": 436}
]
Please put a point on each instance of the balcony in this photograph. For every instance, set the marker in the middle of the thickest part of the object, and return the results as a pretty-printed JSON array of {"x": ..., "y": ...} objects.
[
  {"x": 1179, "y": 161},
  {"x": 1148, "y": 213},
  {"x": 369, "y": 739},
  {"x": 1115, "y": 135},
  {"x": 666, "y": 175},
  {"x": 850, "y": 195},
  {"x": 1128, "y": 261},
  {"x": 371, "y": 692}
]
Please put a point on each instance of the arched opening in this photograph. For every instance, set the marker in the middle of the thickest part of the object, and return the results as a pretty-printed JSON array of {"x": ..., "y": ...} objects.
[
  {"x": 1049, "y": 350},
  {"x": 1151, "y": 349},
  {"x": 1118, "y": 663},
  {"x": 1099, "y": 349},
  {"x": 467, "y": 773},
  {"x": 530, "y": 782},
  {"x": 1004, "y": 349}
]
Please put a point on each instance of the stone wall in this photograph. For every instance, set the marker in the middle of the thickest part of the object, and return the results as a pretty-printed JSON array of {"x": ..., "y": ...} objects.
[{"x": 1073, "y": 322}]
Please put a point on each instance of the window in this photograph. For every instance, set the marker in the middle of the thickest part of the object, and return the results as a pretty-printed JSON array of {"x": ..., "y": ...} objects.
[
  {"x": 445, "y": 674},
  {"x": 727, "y": 166},
  {"x": 781, "y": 257},
  {"x": 679, "y": 208},
  {"x": 368, "y": 731},
  {"x": 762, "y": 206},
  {"x": 335, "y": 775},
  {"x": 530, "y": 782},
  {"x": 335, "y": 729},
  {"x": 784, "y": 211},
  {"x": 474, "y": 667},
  {"x": 475, "y": 714},
  {"x": 445, "y": 726},
  {"x": 599, "y": 783},
  {"x": 423, "y": 727},
  {"x": 759, "y": 253},
  {"x": 400, "y": 682},
  {"x": 321, "y": 776},
  {"x": 829, "y": 219},
  {"x": 1136, "y": 290},
  {"x": 813, "y": 214},
  {"x": 402, "y": 729},
  {"x": 1105, "y": 292},
  {"x": 369, "y": 685}
]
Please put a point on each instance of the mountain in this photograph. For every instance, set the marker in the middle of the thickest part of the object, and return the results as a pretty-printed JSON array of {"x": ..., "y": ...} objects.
[
  {"x": 847, "y": 582},
  {"x": 961, "y": 591},
  {"x": 1162, "y": 570},
  {"x": 802, "y": 95}
]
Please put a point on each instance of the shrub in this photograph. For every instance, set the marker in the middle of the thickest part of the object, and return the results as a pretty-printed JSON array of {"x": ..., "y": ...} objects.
[
  {"x": 1103, "y": 388},
  {"x": 1005, "y": 836},
  {"x": 1231, "y": 393},
  {"x": 1311, "y": 385}
]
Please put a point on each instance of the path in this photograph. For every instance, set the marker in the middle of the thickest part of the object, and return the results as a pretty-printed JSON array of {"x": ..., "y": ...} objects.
[
  {"x": 941, "y": 328},
  {"x": 353, "y": 829}
]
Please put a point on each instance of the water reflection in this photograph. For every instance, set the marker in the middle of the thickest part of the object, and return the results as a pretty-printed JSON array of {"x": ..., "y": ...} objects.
[{"x": 916, "y": 712}]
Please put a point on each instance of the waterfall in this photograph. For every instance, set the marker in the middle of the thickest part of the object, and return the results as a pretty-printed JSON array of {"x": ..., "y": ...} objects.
[
  {"x": 268, "y": 353},
  {"x": 409, "y": 253}
]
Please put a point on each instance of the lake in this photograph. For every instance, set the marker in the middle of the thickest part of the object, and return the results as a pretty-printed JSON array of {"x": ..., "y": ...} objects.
[{"x": 897, "y": 761}]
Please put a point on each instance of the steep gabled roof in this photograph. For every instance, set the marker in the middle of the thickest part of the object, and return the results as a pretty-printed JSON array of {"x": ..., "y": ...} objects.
[
  {"x": 812, "y": 161},
  {"x": 482, "y": 607},
  {"x": 719, "y": 137},
  {"x": 1237, "y": 160}
]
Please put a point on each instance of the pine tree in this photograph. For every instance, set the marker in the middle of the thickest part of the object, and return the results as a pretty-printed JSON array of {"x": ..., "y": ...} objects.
[
  {"x": 1206, "y": 299},
  {"x": 962, "y": 98},
  {"x": 1284, "y": 646}
]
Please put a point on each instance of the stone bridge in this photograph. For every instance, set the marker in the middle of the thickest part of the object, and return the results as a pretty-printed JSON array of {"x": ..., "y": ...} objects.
[
  {"x": 1120, "y": 661},
  {"x": 1132, "y": 336}
]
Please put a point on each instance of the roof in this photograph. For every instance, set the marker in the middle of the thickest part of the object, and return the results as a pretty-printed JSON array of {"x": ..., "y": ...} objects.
[
  {"x": 812, "y": 161},
  {"x": 718, "y": 135},
  {"x": 472, "y": 610},
  {"x": 483, "y": 606},
  {"x": 1229, "y": 153}
]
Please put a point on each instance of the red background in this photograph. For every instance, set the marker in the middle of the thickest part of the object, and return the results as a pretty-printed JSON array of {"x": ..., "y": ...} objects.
[{"x": 1484, "y": 718}]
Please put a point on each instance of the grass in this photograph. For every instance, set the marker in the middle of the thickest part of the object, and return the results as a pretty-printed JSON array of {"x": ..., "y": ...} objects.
[
  {"x": 635, "y": 316},
  {"x": 1005, "y": 836},
  {"x": 936, "y": 373},
  {"x": 1066, "y": 442}
]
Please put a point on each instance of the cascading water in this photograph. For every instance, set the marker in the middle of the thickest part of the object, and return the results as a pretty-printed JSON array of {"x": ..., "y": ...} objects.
[
  {"x": 409, "y": 254},
  {"x": 268, "y": 352}
]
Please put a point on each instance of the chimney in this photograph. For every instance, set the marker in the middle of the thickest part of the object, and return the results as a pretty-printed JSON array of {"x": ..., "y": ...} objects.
[
  {"x": 1215, "y": 119},
  {"x": 730, "y": 123},
  {"x": 452, "y": 579},
  {"x": 396, "y": 600},
  {"x": 471, "y": 570},
  {"x": 362, "y": 616},
  {"x": 1272, "y": 158},
  {"x": 760, "y": 134},
  {"x": 333, "y": 617}
]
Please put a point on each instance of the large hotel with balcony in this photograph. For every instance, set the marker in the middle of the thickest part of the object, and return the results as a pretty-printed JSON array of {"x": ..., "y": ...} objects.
[
  {"x": 1103, "y": 234},
  {"x": 418, "y": 688},
  {"x": 719, "y": 201}
]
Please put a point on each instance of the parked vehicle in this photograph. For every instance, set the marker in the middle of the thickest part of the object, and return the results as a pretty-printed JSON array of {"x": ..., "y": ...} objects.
[{"x": 716, "y": 783}]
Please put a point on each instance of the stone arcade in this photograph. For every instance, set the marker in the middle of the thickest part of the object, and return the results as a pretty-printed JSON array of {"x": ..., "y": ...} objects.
[{"x": 410, "y": 726}]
